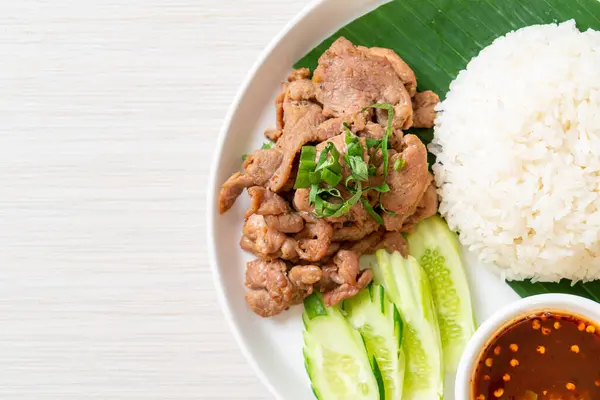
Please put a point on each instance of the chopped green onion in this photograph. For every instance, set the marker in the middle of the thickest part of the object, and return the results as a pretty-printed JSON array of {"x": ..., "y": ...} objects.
[
  {"x": 328, "y": 170},
  {"x": 399, "y": 164},
  {"x": 244, "y": 156},
  {"x": 318, "y": 205},
  {"x": 328, "y": 162},
  {"x": 384, "y": 187},
  {"x": 330, "y": 208},
  {"x": 359, "y": 168},
  {"x": 302, "y": 180},
  {"x": 307, "y": 165},
  {"x": 349, "y": 178},
  {"x": 353, "y": 146},
  {"x": 349, "y": 134},
  {"x": 323, "y": 155},
  {"x": 324, "y": 208},
  {"x": 354, "y": 156},
  {"x": 372, "y": 170},
  {"x": 312, "y": 195},
  {"x": 354, "y": 149},
  {"x": 371, "y": 211},
  {"x": 349, "y": 203},
  {"x": 330, "y": 177},
  {"x": 372, "y": 142},
  {"x": 388, "y": 133},
  {"x": 307, "y": 159},
  {"x": 347, "y": 130},
  {"x": 308, "y": 153},
  {"x": 314, "y": 177},
  {"x": 315, "y": 191},
  {"x": 393, "y": 214},
  {"x": 331, "y": 192},
  {"x": 337, "y": 168}
]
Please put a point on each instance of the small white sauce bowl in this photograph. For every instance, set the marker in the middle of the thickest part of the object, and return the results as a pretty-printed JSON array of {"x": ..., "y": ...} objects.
[{"x": 565, "y": 303}]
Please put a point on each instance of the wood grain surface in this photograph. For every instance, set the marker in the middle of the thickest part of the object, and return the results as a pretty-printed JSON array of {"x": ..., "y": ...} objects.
[{"x": 109, "y": 116}]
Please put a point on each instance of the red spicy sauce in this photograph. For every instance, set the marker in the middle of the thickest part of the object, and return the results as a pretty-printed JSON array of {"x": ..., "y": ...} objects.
[{"x": 545, "y": 356}]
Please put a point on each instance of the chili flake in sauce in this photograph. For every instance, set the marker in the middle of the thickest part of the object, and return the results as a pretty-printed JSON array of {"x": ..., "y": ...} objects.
[{"x": 544, "y": 356}]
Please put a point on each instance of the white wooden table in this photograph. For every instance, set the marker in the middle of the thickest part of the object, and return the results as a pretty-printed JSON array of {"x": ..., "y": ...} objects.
[{"x": 109, "y": 113}]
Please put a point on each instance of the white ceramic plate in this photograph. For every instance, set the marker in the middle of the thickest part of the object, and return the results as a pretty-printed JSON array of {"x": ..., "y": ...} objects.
[{"x": 273, "y": 346}]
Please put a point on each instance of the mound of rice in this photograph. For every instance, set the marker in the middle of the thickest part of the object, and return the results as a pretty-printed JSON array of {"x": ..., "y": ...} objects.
[{"x": 517, "y": 142}]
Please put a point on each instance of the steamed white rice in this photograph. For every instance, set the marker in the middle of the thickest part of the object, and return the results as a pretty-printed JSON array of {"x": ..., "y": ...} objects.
[{"x": 517, "y": 142}]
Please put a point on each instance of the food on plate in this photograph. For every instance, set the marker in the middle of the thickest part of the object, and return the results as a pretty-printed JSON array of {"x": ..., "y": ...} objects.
[
  {"x": 547, "y": 355},
  {"x": 341, "y": 180},
  {"x": 518, "y": 174},
  {"x": 335, "y": 356},
  {"x": 517, "y": 142},
  {"x": 410, "y": 318},
  {"x": 407, "y": 285},
  {"x": 376, "y": 318},
  {"x": 437, "y": 250}
]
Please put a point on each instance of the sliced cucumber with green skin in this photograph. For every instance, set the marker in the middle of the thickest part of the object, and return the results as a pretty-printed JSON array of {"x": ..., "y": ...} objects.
[
  {"x": 335, "y": 355},
  {"x": 407, "y": 285},
  {"x": 378, "y": 321},
  {"x": 436, "y": 249}
]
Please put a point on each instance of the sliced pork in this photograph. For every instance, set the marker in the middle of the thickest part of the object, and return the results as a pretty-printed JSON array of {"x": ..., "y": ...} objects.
[
  {"x": 265, "y": 202},
  {"x": 300, "y": 252},
  {"x": 259, "y": 239},
  {"x": 305, "y": 276},
  {"x": 407, "y": 184},
  {"x": 426, "y": 208},
  {"x": 388, "y": 240},
  {"x": 271, "y": 292},
  {"x": 350, "y": 78},
  {"x": 301, "y": 117},
  {"x": 424, "y": 109},
  {"x": 314, "y": 240},
  {"x": 286, "y": 223},
  {"x": 259, "y": 167},
  {"x": 347, "y": 290}
]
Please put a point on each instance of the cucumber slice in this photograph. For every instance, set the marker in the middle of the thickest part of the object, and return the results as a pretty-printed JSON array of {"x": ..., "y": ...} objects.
[
  {"x": 378, "y": 321},
  {"x": 436, "y": 249},
  {"x": 335, "y": 355},
  {"x": 408, "y": 287}
]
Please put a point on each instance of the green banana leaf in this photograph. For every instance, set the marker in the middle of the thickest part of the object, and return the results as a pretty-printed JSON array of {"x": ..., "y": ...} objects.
[{"x": 437, "y": 38}]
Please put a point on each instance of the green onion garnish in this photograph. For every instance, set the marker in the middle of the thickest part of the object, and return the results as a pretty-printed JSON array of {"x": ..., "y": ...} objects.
[
  {"x": 372, "y": 142},
  {"x": 354, "y": 156},
  {"x": 345, "y": 207},
  {"x": 330, "y": 177},
  {"x": 393, "y": 214},
  {"x": 333, "y": 161},
  {"x": 371, "y": 211},
  {"x": 388, "y": 133},
  {"x": 399, "y": 164},
  {"x": 384, "y": 187},
  {"x": 327, "y": 171},
  {"x": 359, "y": 168},
  {"x": 320, "y": 196},
  {"x": 307, "y": 158},
  {"x": 314, "y": 177},
  {"x": 302, "y": 180}
]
